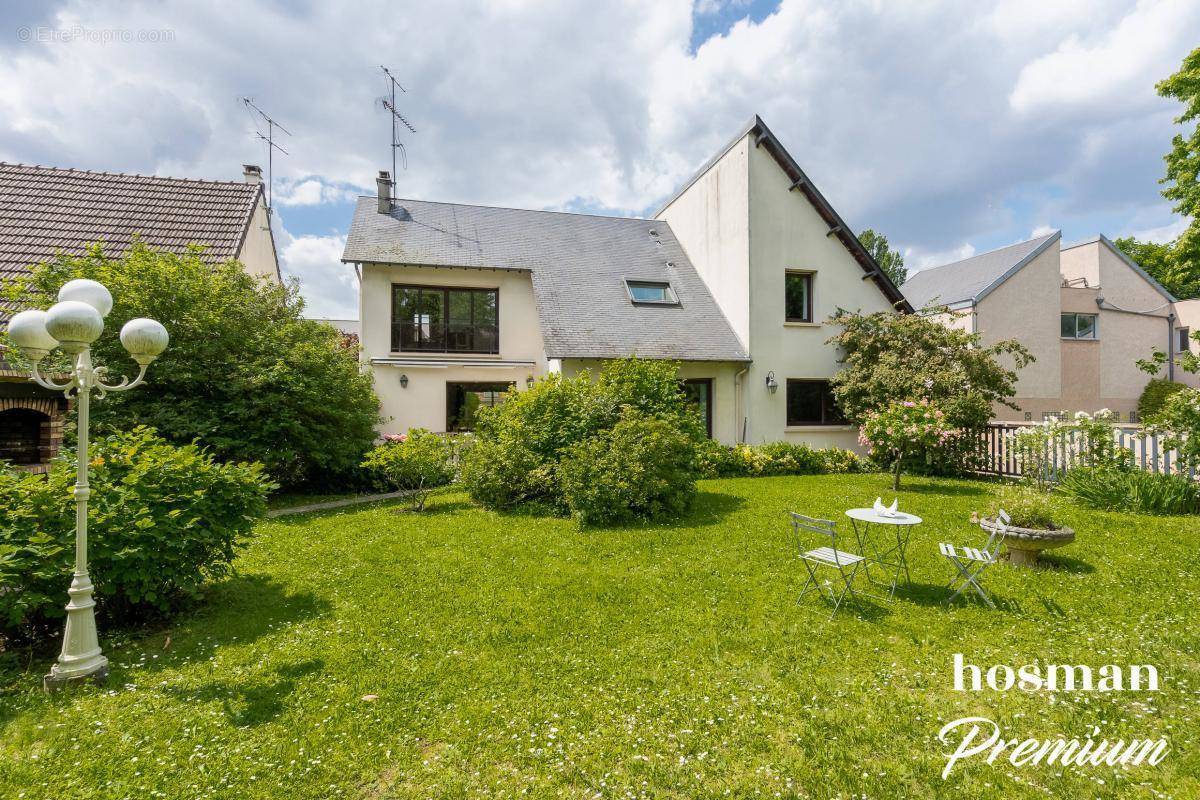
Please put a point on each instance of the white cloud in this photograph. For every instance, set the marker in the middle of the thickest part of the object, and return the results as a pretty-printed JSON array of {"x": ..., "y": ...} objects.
[
  {"x": 331, "y": 287},
  {"x": 1163, "y": 233},
  {"x": 916, "y": 119},
  {"x": 1098, "y": 72},
  {"x": 1042, "y": 230},
  {"x": 917, "y": 260}
]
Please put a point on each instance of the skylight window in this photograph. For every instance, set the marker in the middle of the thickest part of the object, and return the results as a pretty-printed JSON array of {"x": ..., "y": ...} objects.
[{"x": 652, "y": 293}]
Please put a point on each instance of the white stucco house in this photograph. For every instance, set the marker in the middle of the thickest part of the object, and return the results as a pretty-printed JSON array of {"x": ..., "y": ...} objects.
[
  {"x": 1086, "y": 311},
  {"x": 734, "y": 277}
]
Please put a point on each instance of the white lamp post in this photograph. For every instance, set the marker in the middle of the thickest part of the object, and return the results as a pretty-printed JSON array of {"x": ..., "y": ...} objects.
[{"x": 73, "y": 324}]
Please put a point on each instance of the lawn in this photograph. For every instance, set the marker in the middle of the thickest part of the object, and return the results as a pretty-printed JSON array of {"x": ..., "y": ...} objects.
[{"x": 461, "y": 653}]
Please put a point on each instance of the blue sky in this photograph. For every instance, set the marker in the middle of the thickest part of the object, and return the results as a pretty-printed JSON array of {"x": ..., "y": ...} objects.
[{"x": 951, "y": 127}]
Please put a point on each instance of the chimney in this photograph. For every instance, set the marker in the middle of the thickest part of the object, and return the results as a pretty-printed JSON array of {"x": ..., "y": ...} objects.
[
  {"x": 252, "y": 173},
  {"x": 384, "y": 182}
]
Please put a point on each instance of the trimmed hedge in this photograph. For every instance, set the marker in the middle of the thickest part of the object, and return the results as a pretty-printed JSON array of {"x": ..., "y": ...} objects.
[
  {"x": 162, "y": 520},
  {"x": 715, "y": 460}
]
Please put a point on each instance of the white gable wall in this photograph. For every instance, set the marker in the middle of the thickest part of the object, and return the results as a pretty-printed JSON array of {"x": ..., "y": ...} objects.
[{"x": 711, "y": 219}]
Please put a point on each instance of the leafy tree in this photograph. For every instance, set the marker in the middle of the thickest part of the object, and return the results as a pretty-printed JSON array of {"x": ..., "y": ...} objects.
[
  {"x": 1183, "y": 162},
  {"x": 889, "y": 260},
  {"x": 889, "y": 358},
  {"x": 902, "y": 428},
  {"x": 245, "y": 375},
  {"x": 1176, "y": 265}
]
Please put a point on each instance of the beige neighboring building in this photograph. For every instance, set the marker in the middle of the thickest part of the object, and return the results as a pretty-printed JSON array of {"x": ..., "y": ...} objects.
[
  {"x": 1086, "y": 312},
  {"x": 734, "y": 278},
  {"x": 45, "y": 211}
]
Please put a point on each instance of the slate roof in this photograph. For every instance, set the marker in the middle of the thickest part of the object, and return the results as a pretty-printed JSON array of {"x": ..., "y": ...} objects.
[
  {"x": 45, "y": 210},
  {"x": 973, "y": 278},
  {"x": 578, "y": 264}
]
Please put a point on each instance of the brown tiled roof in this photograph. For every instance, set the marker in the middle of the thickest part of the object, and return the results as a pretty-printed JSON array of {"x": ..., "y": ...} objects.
[{"x": 45, "y": 210}]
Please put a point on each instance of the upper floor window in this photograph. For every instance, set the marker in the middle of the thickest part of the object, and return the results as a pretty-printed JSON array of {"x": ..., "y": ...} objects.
[
  {"x": 445, "y": 320},
  {"x": 1184, "y": 343},
  {"x": 797, "y": 297},
  {"x": 1079, "y": 326},
  {"x": 810, "y": 402},
  {"x": 656, "y": 292}
]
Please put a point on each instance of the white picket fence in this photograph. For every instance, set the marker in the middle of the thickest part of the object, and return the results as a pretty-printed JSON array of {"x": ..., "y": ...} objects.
[{"x": 1001, "y": 456}]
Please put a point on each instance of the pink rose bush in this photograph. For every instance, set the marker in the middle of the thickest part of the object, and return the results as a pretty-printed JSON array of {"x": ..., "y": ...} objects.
[{"x": 902, "y": 428}]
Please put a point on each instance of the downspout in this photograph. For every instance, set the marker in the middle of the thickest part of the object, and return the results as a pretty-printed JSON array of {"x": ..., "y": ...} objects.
[
  {"x": 1171, "y": 346},
  {"x": 737, "y": 404}
]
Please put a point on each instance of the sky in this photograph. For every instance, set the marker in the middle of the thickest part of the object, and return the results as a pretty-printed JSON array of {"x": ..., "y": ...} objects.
[{"x": 950, "y": 127}]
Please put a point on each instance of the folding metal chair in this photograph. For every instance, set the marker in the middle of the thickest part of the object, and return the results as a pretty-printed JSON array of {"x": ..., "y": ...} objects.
[
  {"x": 972, "y": 561},
  {"x": 845, "y": 563}
]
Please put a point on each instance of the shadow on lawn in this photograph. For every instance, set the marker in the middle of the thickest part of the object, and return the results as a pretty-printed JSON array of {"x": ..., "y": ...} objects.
[
  {"x": 943, "y": 489},
  {"x": 251, "y": 703},
  {"x": 936, "y": 595}
]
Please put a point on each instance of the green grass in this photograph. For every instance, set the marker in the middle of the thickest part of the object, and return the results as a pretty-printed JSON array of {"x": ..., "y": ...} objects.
[{"x": 517, "y": 656}]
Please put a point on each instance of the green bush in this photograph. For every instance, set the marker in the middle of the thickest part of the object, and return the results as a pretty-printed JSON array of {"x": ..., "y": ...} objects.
[
  {"x": 715, "y": 460},
  {"x": 643, "y": 469},
  {"x": 418, "y": 461},
  {"x": 1131, "y": 490},
  {"x": 1155, "y": 395},
  {"x": 1028, "y": 508},
  {"x": 162, "y": 520},
  {"x": 246, "y": 374},
  {"x": 520, "y": 443}
]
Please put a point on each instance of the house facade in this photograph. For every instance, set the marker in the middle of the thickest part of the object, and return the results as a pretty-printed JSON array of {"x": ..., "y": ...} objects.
[
  {"x": 734, "y": 278},
  {"x": 45, "y": 211},
  {"x": 1085, "y": 311}
]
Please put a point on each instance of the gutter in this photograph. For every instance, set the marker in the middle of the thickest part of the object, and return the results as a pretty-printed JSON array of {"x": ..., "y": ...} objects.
[{"x": 1170, "y": 317}]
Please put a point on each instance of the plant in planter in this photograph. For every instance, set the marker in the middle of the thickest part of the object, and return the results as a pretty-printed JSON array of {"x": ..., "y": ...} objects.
[
  {"x": 903, "y": 428},
  {"x": 1034, "y": 526}
]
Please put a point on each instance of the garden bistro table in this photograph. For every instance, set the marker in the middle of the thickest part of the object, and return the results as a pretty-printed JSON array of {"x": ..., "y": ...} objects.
[{"x": 884, "y": 557}]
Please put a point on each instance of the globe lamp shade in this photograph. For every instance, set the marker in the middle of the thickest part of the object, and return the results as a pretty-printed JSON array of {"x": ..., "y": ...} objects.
[
  {"x": 27, "y": 331},
  {"x": 75, "y": 324},
  {"x": 145, "y": 339},
  {"x": 87, "y": 291}
]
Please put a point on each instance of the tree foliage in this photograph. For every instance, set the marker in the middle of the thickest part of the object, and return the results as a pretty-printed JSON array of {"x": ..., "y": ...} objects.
[
  {"x": 889, "y": 358},
  {"x": 889, "y": 260},
  {"x": 1176, "y": 265},
  {"x": 245, "y": 374}
]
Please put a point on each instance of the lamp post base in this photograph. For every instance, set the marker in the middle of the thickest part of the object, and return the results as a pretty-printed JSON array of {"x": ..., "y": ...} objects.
[{"x": 61, "y": 679}]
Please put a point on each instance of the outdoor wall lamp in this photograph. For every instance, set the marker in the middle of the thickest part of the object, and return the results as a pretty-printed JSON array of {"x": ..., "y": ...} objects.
[
  {"x": 529, "y": 382},
  {"x": 403, "y": 381},
  {"x": 73, "y": 323},
  {"x": 772, "y": 384}
]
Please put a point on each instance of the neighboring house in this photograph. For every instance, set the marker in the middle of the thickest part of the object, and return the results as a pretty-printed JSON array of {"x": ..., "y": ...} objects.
[
  {"x": 733, "y": 278},
  {"x": 1187, "y": 328},
  {"x": 45, "y": 211},
  {"x": 1086, "y": 312}
]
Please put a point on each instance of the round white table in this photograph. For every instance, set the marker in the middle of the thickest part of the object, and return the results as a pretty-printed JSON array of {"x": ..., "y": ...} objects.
[{"x": 888, "y": 556}]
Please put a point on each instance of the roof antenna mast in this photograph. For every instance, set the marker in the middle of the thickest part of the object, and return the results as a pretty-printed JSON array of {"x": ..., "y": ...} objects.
[
  {"x": 389, "y": 103},
  {"x": 269, "y": 138}
]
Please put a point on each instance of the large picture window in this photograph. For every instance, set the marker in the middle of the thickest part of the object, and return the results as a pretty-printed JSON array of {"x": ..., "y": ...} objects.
[
  {"x": 445, "y": 320},
  {"x": 1078, "y": 326},
  {"x": 463, "y": 401},
  {"x": 698, "y": 392},
  {"x": 810, "y": 402},
  {"x": 797, "y": 297}
]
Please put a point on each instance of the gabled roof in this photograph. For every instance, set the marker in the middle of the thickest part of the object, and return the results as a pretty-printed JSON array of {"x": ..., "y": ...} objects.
[
  {"x": 972, "y": 279},
  {"x": 763, "y": 137},
  {"x": 1133, "y": 265},
  {"x": 579, "y": 264},
  {"x": 45, "y": 210}
]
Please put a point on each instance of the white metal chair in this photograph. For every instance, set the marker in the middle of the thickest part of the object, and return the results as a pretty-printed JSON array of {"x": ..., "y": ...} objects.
[
  {"x": 846, "y": 564},
  {"x": 971, "y": 562}
]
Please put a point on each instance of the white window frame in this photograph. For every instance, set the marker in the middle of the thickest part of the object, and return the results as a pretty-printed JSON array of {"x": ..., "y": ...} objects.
[
  {"x": 1077, "y": 338},
  {"x": 670, "y": 292}
]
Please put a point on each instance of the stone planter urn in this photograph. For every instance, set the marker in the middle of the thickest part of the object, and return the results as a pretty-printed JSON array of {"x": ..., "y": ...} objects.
[{"x": 1024, "y": 545}]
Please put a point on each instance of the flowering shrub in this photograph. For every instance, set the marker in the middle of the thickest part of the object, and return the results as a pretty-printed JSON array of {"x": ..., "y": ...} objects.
[
  {"x": 1179, "y": 421},
  {"x": 902, "y": 428}
]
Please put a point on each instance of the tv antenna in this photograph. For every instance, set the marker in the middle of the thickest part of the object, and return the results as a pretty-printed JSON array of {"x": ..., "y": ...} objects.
[
  {"x": 269, "y": 138},
  {"x": 397, "y": 118}
]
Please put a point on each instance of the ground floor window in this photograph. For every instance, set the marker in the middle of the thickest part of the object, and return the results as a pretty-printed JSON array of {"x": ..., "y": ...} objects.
[
  {"x": 463, "y": 400},
  {"x": 699, "y": 392},
  {"x": 810, "y": 402}
]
